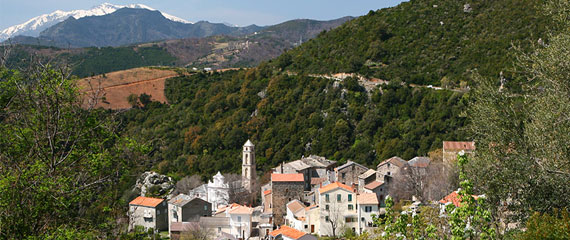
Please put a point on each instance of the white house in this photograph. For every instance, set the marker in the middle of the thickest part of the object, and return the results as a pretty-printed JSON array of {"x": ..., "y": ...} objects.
[
  {"x": 337, "y": 203},
  {"x": 239, "y": 219},
  {"x": 295, "y": 214},
  {"x": 367, "y": 206}
]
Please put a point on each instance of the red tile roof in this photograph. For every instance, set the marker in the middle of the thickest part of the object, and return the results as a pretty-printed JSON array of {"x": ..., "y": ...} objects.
[
  {"x": 287, "y": 231},
  {"x": 315, "y": 181},
  {"x": 373, "y": 185},
  {"x": 146, "y": 201},
  {"x": 454, "y": 198},
  {"x": 266, "y": 192},
  {"x": 451, "y": 145},
  {"x": 287, "y": 177},
  {"x": 335, "y": 185}
]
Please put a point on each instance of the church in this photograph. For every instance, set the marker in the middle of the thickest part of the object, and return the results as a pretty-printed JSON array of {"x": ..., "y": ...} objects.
[{"x": 218, "y": 191}]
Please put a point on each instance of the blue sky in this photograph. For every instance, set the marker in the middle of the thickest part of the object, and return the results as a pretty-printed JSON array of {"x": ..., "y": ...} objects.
[{"x": 240, "y": 12}]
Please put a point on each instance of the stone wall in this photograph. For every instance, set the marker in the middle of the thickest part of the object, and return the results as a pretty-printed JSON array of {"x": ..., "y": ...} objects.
[
  {"x": 282, "y": 193},
  {"x": 349, "y": 175}
]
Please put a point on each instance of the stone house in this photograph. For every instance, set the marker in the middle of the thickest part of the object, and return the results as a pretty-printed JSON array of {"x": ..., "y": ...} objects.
[
  {"x": 452, "y": 148},
  {"x": 389, "y": 168},
  {"x": 338, "y": 209},
  {"x": 285, "y": 188},
  {"x": 366, "y": 178},
  {"x": 288, "y": 233},
  {"x": 184, "y": 208},
  {"x": 149, "y": 213},
  {"x": 348, "y": 173},
  {"x": 367, "y": 206},
  {"x": 311, "y": 167}
]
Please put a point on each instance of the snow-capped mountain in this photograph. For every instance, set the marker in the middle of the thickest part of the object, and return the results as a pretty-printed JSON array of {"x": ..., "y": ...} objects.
[{"x": 35, "y": 25}]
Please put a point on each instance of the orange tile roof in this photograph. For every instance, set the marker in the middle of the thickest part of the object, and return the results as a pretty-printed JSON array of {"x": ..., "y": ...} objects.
[
  {"x": 287, "y": 177},
  {"x": 146, "y": 201},
  {"x": 287, "y": 231},
  {"x": 367, "y": 198},
  {"x": 335, "y": 185},
  {"x": 451, "y": 145},
  {"x": 239, "y": 209},
  {"x": 266, "y": 192},
  {"x": 373, "y": 185},
  {"x": 453, "y": 197}
]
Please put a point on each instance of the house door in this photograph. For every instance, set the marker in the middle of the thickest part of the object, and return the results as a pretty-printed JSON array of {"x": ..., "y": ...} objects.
[{"x": 312, "y": 228}]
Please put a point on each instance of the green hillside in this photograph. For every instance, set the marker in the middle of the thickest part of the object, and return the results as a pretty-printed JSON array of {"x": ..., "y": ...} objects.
[
  {"x": 211, "y": 116},
  {"x": 425, "y": 41}
]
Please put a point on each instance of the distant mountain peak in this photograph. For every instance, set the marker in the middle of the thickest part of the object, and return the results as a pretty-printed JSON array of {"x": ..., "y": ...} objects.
[{"x": 37, "y": 24}]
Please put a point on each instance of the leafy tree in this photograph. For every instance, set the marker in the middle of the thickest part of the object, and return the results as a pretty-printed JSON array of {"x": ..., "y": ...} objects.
[
  {"x": 547, "y": 226},
  {"x": 55, "y": 157},
  {"x": 471, "y": 219},
  {"x": 523, "y": 155}
]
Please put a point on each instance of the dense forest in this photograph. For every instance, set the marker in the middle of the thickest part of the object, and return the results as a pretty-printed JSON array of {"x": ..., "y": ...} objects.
[
  {"x": 287, "y": 116},
  {"x": 426, "y": 42}
]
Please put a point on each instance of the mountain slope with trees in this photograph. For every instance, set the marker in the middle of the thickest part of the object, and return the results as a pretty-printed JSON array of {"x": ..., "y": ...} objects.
[{"x": 426, "y": 42}]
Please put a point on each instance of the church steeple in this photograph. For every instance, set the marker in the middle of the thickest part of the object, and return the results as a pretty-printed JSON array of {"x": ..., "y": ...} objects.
[{"x": 248, "y": 165}]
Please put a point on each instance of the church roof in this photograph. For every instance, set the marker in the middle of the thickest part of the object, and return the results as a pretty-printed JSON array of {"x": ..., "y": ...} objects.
[
  {"x": 219, "y": 175},
  {"x": 248, "y": 144}
]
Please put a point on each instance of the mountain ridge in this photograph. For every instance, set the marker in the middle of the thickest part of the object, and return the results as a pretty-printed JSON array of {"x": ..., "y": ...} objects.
[{"x": 34, "y": 26}]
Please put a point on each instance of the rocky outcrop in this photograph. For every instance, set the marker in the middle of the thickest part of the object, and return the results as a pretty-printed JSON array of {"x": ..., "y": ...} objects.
[{"x": 152, "y": 183}]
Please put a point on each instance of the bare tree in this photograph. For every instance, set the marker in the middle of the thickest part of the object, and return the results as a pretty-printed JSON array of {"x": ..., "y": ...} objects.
[
  {"x": 334, "y": 216},
  {"x": 187, "y": 183},
  {"x": 197, "y": 231},
  {"x": 427, "y": 183}
]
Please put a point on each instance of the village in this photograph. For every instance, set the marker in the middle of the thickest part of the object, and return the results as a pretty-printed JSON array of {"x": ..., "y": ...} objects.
[{"x": 309, "y": 197}]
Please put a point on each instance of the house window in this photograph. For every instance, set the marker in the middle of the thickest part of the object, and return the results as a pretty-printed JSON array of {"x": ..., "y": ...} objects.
[
  {"x": 350, "y": 207},
  {"x": 206, "y": 207},
  {"x": 326, "y": 218},
  {"x": 157, "y": 212},
  {"x": 327, "y": 197},
  {"x": 388, "y": 174},
  {"x": 239, "y": 218},
  {"x": 343, "y": 175},
  {"x": 219, "y": 229},
  {"x": 306, "y": 226},
  {"x": 350, "y": 197},
  {"x": 327, "y": 207},
  {"x": 367, "y": 209},
  {"x": 362, "y": 219},
  {"x": 338, "y": 197}
]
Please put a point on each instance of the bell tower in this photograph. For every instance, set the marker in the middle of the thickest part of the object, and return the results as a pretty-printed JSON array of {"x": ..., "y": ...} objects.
[{"x": 248, "y": 165}]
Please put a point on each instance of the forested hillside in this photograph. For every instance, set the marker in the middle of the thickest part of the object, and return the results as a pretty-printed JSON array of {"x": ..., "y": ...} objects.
[
  {"x": 211, "y": 116},
  {"x": 426, "y": 42}
]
